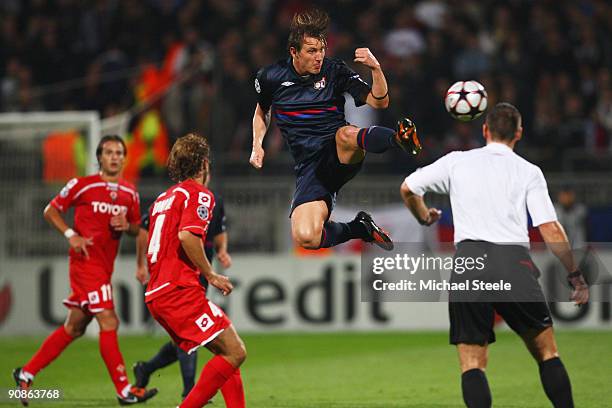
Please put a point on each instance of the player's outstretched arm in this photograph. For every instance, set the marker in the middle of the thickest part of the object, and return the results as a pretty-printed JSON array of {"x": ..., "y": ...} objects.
[
  {"x": 261, "y": 121},
  {"x": 77, "y": 242},
  {"x": 556, "y": 239},
  {"x": 418, "y": 208},
  {"x": 194, "y": 248},
  {"x": 378, "y": 97}
]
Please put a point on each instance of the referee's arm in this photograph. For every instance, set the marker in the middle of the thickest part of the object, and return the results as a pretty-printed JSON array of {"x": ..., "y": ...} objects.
[
  {"x": 418, "y": 208},
  {"x": 434, "y": 178},
  {"x": 556, "y": 239},
  {"x": 543, "y": 216}
]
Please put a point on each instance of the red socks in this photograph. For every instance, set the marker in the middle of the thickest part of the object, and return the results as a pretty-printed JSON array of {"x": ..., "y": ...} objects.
[
  {"x": 233, "y": 391},
  {"x": 216, "y": 373},
  {"x": 51, "y": 348},
  {"x": 109, "y": 350}
]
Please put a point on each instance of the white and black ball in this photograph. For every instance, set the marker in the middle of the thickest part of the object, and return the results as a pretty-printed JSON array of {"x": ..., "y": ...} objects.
[{"x": 466, "y": 100}]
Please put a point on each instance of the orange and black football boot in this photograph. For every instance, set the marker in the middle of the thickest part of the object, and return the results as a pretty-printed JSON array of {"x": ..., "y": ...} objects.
[
  {"x": 406, "y": 136},
  {"x": 376, "y": 235}
]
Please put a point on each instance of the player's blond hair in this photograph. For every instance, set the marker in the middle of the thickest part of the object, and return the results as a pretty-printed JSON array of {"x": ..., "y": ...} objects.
[
  {"x": 309, "y": 23},
  {"x": 188, "y": 157}
]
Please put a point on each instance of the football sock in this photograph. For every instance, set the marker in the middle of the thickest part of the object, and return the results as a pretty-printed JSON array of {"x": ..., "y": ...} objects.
[
  {"x": 556, "y": 383},
  {"x": 215, "y": 373},
  {"x": 165, "y": 356},
  {"x": 109, "y": 350},
  {"x": 48, "y": 351},
  {"x": 357, "y": 229},
  {"x": 188, "y": 363},
  {"x": 335, "y": 233},
  {"x": 233, "y": 391},
  {"x": 376, "y": 139},
  {"x": 475, "y": 387}
]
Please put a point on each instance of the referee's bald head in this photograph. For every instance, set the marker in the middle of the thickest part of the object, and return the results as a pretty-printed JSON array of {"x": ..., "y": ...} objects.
[{"x": 504, "y": 121}]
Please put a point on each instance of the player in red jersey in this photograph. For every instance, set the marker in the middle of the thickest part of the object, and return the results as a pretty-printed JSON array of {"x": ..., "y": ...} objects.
[
  {"x": 179, "y": 220},
  {"x": 105, "y": 206}
]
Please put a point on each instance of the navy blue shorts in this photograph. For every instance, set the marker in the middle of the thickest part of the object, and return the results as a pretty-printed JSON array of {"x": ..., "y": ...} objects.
[{"x": 322, "y": 178}]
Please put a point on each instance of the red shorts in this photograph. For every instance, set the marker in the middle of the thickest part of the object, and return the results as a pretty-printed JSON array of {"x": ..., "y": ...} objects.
[
  {"x": 188, "y": 317},
  {"x": 91, "y": 288}
]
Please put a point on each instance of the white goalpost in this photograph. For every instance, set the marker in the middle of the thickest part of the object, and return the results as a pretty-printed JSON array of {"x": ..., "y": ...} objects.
[{"x": 24, "y": 125}]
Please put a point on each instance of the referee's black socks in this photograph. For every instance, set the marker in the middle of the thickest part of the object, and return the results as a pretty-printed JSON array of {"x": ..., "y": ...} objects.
[
  {"x": 475, "y": 387},
  {"x": 556, "y": 383}
]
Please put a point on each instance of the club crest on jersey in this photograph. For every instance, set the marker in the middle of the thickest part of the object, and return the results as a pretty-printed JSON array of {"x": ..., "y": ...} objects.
[
  {"x": 113, "y": 195},
  {"x": 67, "y": 187},
  {"x": 320, "y": 84},
  {"x": 203, "y": 212}
]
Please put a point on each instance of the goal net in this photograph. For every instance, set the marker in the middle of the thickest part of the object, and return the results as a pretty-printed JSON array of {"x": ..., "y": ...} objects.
[{"x": 39, "y": 152}]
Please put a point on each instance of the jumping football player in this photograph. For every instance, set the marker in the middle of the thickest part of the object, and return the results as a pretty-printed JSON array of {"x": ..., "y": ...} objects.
[
  {"x": 179, "y": 221},
  {"x": 305, "y": 94},
  {"x": 105, "y": 206}
]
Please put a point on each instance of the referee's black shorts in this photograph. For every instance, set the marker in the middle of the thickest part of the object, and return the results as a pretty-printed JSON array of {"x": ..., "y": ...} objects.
[{"x": 524, "y": 308}]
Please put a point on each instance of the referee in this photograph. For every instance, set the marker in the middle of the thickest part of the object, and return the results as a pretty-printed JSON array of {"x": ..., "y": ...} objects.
[{"x": 491, "y": 188}]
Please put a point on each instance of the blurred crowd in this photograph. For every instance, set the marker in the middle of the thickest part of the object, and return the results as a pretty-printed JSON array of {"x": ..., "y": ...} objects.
[{"x": 552, "y": 58}]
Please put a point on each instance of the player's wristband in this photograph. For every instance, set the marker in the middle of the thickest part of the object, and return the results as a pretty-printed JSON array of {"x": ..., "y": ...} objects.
[
  {"x": 69, "y": 233},
  {"x": 379, "y": 98},
  {"x": 575, "y": 279}
]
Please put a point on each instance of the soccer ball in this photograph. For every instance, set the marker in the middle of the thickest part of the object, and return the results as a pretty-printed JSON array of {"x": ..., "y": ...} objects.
[{"x": 466, "y": 100}]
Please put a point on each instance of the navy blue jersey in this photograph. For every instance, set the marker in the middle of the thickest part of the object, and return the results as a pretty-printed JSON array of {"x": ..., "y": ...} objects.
[
  {"x": 216, "y": 227},
  {"x": 308, "y": 109}
]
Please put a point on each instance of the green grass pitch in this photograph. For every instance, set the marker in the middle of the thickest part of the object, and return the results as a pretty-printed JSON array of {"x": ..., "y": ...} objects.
[{"x": 378, "y": 370}]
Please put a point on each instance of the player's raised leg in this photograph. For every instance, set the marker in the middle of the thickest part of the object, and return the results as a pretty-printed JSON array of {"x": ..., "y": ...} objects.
[
  {"x": 221, "y": 373},
  {"x": 113, "y": 359},
  {"x": 554, "y": 377},
  {"x": 74, "y": 327},
  {"x": 474, "y": 385},
  {"x": 352, "y": 142}
]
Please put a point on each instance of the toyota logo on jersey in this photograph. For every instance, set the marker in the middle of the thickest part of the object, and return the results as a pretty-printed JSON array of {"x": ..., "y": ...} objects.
[{"x": 107, "y": 208}]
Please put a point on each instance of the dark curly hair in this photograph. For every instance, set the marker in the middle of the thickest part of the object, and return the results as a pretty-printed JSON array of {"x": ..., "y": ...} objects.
[
  {"x": 309, "y": 23},
  {"x": 188, "y": 156}
]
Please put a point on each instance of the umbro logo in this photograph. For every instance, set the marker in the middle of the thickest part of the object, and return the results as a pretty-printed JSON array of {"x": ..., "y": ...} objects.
[{"x": 287, "y": 83}]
